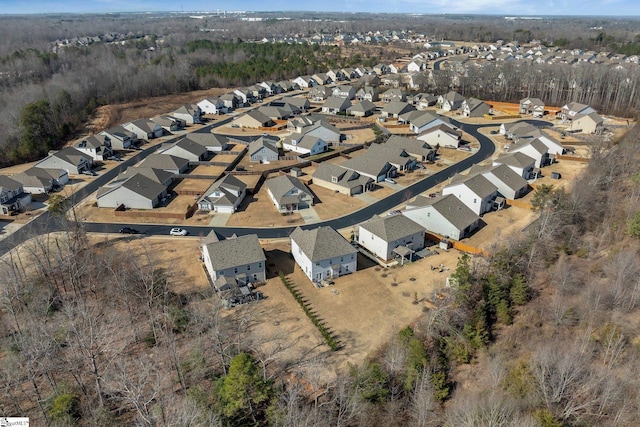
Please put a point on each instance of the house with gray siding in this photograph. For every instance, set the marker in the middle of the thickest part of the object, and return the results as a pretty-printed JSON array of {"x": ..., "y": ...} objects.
[
  {"x": 239, "y": 260},
  {"x": 383, "y": 235}
]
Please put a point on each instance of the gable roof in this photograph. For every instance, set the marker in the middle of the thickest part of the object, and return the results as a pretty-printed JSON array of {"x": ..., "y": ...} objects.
[
  {"x": 517, "y": 159},
  {"x": 158, "y": 175},
  {"x": 233, "y": 252},
  {"x": 450, "y": 207},
  {"x": 480, "y": 185},
  {"x": 164, "y": 161},
  {"x": 282, "y": 184},
  {"x": 71, "y": 155},
  {"x": 321, "y": 243},
  {"x": 397, "y": 107},
  {"x": 256, "y": 145},
  {"x": 207, "y": 139},
  {"x": 137, "y": 183},
  {"x": 392, "y": 228}
]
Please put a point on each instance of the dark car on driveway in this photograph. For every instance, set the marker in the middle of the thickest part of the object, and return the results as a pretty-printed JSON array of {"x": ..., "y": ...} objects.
[{"x": 128, "y": 230}]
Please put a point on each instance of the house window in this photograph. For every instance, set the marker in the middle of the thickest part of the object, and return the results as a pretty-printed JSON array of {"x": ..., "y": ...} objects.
[
  {"x": 475, "y": 200},
  {"x": 317, "y": 264},
  {"x": 259, "y": 265},
  {"x": 221, "y": 273},
  {"x": 235, "y": 270},
  {"x": 248, "y": 267}
]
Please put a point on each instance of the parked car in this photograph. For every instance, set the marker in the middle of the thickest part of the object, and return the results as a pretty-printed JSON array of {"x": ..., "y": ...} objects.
[
  {"x": 390, "y": 180},
  {"x": 89, "y": 172},
  {"x": 394, "y": 212},
  {"x": 128, "y": 230},
  {"x": 178, "y": 232}
]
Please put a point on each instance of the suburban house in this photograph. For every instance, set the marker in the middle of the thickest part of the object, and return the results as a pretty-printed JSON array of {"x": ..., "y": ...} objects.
[
  {"x": 69, "y": 159},
  {"x": 119, "y": 137},
  {"x": 474, "y": 107},
  {"x": 238, "y": 260},
  {"x": 533, "y": 148},
  {"x": 301, "y": 103},
  {"x": 275, "y": 112},
  {"x": 13, "y": 198},
  {"x": 368, "y": 93},
  {"x": 145, "y": 129},
  {"x": 477, "y": 192},
  {"x": 96, "y": 146},
  {"x": 288, "y": 86},
  {"x": 342, "y": 180},
  {"x": 391, "y": 236},
  {"x": 533, "y": 106},
  {"x": 395, "y": 109},
  {"x": 413, "y": 147},
  {"x": 133, "y": 190},
  {"x": 393, "y": 95},
  {"x": 169, "y": 123},
  {"x": 305, "y": 82},
  {"x": 423, "y": 100},
  {"x": 230, "y": 100},
  {"x": 451, "y": 101},
  {"x": 553, "y": 146},
  {"x": 288, "y": 193},
  {"x": 320, "y": 93},
  {"x": 271, "y": 88},
  {"x": 211, "y": 141},
  {"x": 322, "y": 253},
  {"x": 392, "y": 153},
  {"x": 185, "y": 148},
  {"x": 166, "y": 162},
  {"x": 322, "y": 78},
  {"x": 158, "y": 175},
  {"x": 512, "y": 130},
  {"x": 419, "y": 81},
  {"x": 519, "y": 163},
  {"x": 224, "y": 195},
  {"x": 510, "y": 184},
  {"x": 321, "y": 129},
  {"x": 335, "y": 105},
  {"x": 442, "y": 136},
  {"x": 40, "y": 181},
  {"x": 263, "y": 150},
  {"x": 213, "y": 105},
  {"x": 254, "y": 119},
  {"x": 344, "y": 91},
  {"x": 362, "y": 109},
  {"x": 305, "y": 144},
  {"x": 445, "y": 215},
  {"x": 573, "y": 109},
  {"x": 371, "y": 164},
  {"x": 587, "y": 123},
  {"x": 245, "y": 96},
  {"x": 427, "y": 120}
]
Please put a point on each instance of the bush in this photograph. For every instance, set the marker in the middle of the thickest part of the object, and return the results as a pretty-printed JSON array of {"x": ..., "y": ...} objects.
[{"x": 64, "y": 407}]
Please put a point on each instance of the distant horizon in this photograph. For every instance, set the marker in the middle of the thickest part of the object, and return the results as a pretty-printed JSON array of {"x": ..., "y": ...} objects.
[{"x": 514, "y": 8}]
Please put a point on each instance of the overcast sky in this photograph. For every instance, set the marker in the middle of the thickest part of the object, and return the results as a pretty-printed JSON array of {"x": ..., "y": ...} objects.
[{"x": 496, "y": 7}]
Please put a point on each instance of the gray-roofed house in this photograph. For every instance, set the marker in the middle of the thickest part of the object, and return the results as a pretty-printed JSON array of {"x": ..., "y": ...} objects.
[
  {"x": 322, "y": 129},
  {"x": 363, "y": 108},
  {"x": 212, "y": 105},
  {"x": 393, "y": 95},
  {"x": 254, "y": 119},
  {"x": 238, "y": 260},
  {"x": 211, "y": 141},
  {"x": 368, "y": 93},
  {"x": 158, "y": 175},
  {"x": 224, "y": 195},
  {"x": 520, "y": 163},
  {"x": 335, "y": 105},
  {"x": 574, "y": 109},
  {"x": 511, "y": 130},
  {"x": 68, "y": 159},
  {"x": 185, "y": 148},
  {"x": 414, "y": 147},
  {"x": 190, "y": 113},
  {"x": 320, "y": 93},
  {"x": 477, "y": 192},
  {"x": 144, "y": 129},
  {"x": 393, "y": 154},
  {"x": 275, "y": 112},
  {"x": 169, "y": 123},
  {"x": 167, "y": 162},
  {"x": 533, "y": 148},
  {"x": 263, "y": 150},
  {"x": 372, "y": 165},
  {"x": 305, "y": 144},
  {"x": 533, "y": 106},
  {"x": 382, "y": 236},
  {"x": 587, "y": 123},
  {"x": 451, "y": 101},
  {"x": 96, "y": 146},
  {"x": 342, "y": 180},
  {"x": 344, "y": 91},
  {"x": 230, "y": 100},
  {"x": 13, "y": 198},
  {"x": 474, "y": 107},
  {"x": 446, "y": 216},
  {"x": 427, "y": 120},
  {"x": 442, "y": 136},
  {"x": 510, "y": 184},
  {"x": 134, "y": 191},
  {"x": 395, "y": 109},
  {"x": 289, "y": 193},
  {"x": 40, "y": 181},
  {"x": 120, "y": 138},
  {"x": 322, "y": 253}
]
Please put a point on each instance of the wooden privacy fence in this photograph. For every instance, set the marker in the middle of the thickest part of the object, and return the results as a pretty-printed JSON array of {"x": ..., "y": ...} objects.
[
  {"x": 122, "y": 213},
  {"x": 519, "y": 204},
  {"x": 572, "y": 158},
  {"x": 463, "y": 247}
]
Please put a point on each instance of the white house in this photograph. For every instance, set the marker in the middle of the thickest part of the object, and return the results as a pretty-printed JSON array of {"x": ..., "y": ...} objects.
[
  {"x": 533, "y": 148},
  {"x": 305, "y": 144},
  {"x": 520, "y": 163},
  {"x": 322, "y": 253},
  {"x": 387, "y": 237},
  {"x": 446, "y": 216},
  {"x": 212, "y": 106},
  {"x": 288, "y": 193},
  {"x": 96, "y": 146},
  {"x": 476, "y": 192},
  {"x": 441, "y": 135},
  {"x": 224, "y": 195}
]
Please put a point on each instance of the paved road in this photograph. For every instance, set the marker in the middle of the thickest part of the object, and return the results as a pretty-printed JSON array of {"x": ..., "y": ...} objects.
[{"x": 48, "y": 223}]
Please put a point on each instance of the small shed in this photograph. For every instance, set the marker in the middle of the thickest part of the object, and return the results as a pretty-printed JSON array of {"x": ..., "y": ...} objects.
[
  {"x": 297, "y": 172},
  {"x": 556, "y": 175},
  {"x": 444, "y": 245}
]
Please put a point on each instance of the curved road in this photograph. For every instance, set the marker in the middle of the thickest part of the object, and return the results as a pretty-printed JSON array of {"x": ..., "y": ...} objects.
[{"x": 45, "y": 222}]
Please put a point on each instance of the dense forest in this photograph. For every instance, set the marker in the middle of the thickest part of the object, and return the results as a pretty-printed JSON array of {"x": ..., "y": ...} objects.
[{"x": 543, "y": 332}]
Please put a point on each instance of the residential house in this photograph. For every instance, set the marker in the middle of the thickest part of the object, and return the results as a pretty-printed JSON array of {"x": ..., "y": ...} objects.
[
  {"x": 533, "y": 106},
  {"x": 211, "y": 141},
  {"x": 119, "y": 137},
  {"x": 322, "y": 79},
  {"x": 446, "y": 216},
  {"x": 369, "y": 93},
  {"x": 421, "y": 150},
  {"x": 289, "y": 193},
  {"x": 157, "y": 175},
  {"x": 145, "y": 129},
  {"x": 441, "y": 136},
  {"x": 320, "y": 93},
  {"x": 510, "y": 184},
  {"x": 587, "y": 123},
  {"x": 321, "y": 129},
  {"x": 390, "y": 236},
  {"x": 40, "y": 181},
  {"x": 69, "y": 159},
  {"x": 477, "y": 192},
  {"x": 304, "y": 82},
  {"x": 419, "y": 81},
  {"x": 474, "y": 107},
  {"x": 395, "y": 109},
  {"x": 393, "y": 95},
  {"x": 393, "y": 154},
  {"x": 169, "y": 123},
  {"x": 533, "y": 148},
  {"x": 96, "y": 146},
  {"x": 335, "y": 105},
  {"x": 512, "y": 130},
  {"x": 322, "y": 253},
  {"x": 305, "y": 144},
  {"x": 231, "y": 101},
  {"x": 166, "y": 162},
  {"x": 13, "y": 198},
  {"x": 271, "y": 88},
  {"x": 238, "y": 260},
  {"x": 257, "y": 92},
  {"x": 573, "y": 109},
  {"x": 553, "y": 147},
  {"x": 263, "y": 150},
  {"x": 187, "y": 149},
  {"x": 362, "y": 109},
  {"x": 254, "y": 119},
  {"x": 344, "y": 91},
  {"x": 368, "y": 80},
  {"x": 342, "y": 180},
  {"x": 302, "y": 104},
  {"x": 288, "y": 86},
  {"x": 224, "y": 195},
  {"x": 245, "y": 96},
  {"x": 275, "y": 113},
  {"x": 213, "y": 106},
  {"x": 451, "y": 101},
  {"x": 427, "y": 120},
  {"x": 520, "y": 163},
  {"x": 133, "y": 191},
  {"x": 371, "y": 164},
  {"x": 189, "y": 113}
]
